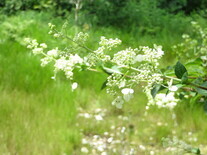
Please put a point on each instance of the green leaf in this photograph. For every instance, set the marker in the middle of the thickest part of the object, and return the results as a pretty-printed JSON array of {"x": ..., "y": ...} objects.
[
  {"x": 156, "y": 88},
  {"x": 202, "y": 91},
  {"x": 196, "y": 151},
  {"x": 180, "y": 70},
  {"x": 197, "y": 61},
  {"x": 205, "y": 106},
  {"x": 104, "y": 85},
  {"x": 112, "y": 70},
  {"x": 184, "y": 78},
  {"x": 198, "y": 81}
]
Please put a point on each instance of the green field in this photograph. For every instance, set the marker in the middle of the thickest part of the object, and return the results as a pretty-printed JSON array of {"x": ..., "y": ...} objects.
[{"x": 41, "y": 116}]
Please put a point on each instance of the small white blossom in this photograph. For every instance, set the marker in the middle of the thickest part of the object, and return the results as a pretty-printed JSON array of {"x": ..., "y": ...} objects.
[
  {"x": 84, "y": 150},
  {"x": 109, "y": 43},
  {"x": 43, "y": 45},
  {"x": 103, "y": 153},
  {"x": 76, "y": 59},
  {"x": 37, "y": 51},
  {"x": 123, "y": 129},
  {"x": 173, "y": 88},
  {"x": 45, "y": 61},
  {"x": 125, "y": 57},
  {"x": 98, "y": 117},
  {"x": 165, "y": 101},
  {"x": 118, "y": 102},
  {"x": 128, "y": 93},
  {"x": 74, "y": 86},
  {"x": 143, "y": 148},
  {"x": 204, "y": 58},
  {"x": 80, "y": 37},
  {"x": 139, "y": 58},
  {"x": 56, "y": 35},
  {"x": 109, "y": 140},
  {"x": 84, "y": 141},
  {"x": 53, "y": 52},
  {"x": 60, "y": 63}
]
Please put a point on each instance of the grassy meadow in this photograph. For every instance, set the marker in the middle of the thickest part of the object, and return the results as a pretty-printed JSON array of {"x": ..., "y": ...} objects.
[{"x": 40, "y": 116}]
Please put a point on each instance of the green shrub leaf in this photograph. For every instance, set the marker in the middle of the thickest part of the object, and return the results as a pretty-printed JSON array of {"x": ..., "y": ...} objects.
[
  {"x": 202, "y": 91},
  {"x": 180, "y": 70}
]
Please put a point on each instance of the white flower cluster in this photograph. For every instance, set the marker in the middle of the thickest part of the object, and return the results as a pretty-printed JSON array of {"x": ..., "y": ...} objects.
[
  {"x": 114, "y": 82},
  {"x": 53, "y": 53},
  {"x": 165, "y": 101},
  {"x": 193, "y": 45},
  {"x": 81, "y": 37},
  {"x": 127, "y": 96},
  {"x": 64, "y": 63},
  {"x": 52, "y": 31},
  {"x": 125, "y": 57},
  {"x": 68, "y": 65},
  {"x": 152, "y": 55},
  {"x": 99, "y": 54},
  {"x": 35, "y": 46},
  {"x": 109, "y": 43}
]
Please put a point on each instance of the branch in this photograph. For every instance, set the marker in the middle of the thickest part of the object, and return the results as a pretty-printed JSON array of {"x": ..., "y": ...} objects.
[{"x": 198, "y": 86}]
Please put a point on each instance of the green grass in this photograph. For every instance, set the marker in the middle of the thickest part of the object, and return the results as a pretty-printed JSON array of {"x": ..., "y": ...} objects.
[{"x": 40, "y": 116}]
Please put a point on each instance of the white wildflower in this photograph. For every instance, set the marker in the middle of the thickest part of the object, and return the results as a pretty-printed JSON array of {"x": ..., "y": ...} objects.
[
  {"x": 166, "y": 101},
  {"x": 43, "y": 45},
  {"x": 109, "y": 140},
  {"x": 53, "y": 52},
  {"x": 109, "y": 43},
  {"x": 98, "y": 117},
  {"x": 173, "y": 88},
  {"x": 74, "y": 86},
  {"x": 60, "y": 63},
  {"x": 84, "y": 150},
  {"x": 56, "y": 35},
  {"x": 76, "y": 59},
  {"x": 37, "y": 51},
  {"x": 128, "y": 93},
  {"x": 87, "y": 115},
  {"x": 122, "y": 83},
  {"x": 139, "y": 58},
  {"x": 118, "y": 102},
  {"x": 45, "y": 61},
  {"x": 123, "y": 129},
  {"x": 80, "y": 37},
  {"x": 204, "y": 58},
  {"x": 143, "y": 148},
  {"x": 53, "y": 77},
  {"x": 84, "y": 141},
  {"x": 125, "y": 57},
  {"x": 34, "y": 43}
]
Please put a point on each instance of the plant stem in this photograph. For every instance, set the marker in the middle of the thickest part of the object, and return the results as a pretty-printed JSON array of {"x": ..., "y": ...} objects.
[{"x": 88, "y": 49}]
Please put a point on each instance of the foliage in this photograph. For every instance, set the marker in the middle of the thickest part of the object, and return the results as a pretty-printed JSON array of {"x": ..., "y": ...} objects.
[{"x": 194, "y": 44}]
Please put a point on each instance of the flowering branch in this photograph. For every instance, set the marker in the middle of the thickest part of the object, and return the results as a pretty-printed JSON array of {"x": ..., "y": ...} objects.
[{"x": 126, "y": 68}]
